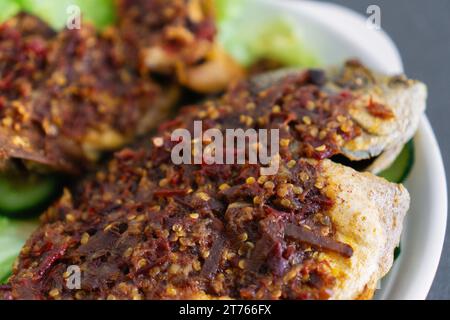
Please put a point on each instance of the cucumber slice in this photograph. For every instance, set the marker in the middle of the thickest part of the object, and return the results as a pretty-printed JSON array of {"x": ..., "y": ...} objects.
[
  {"x": 400, "y": 169},
  {"x": 13, "y": 235},
  {"x": 249, "y": 38},
  {"x": 6, "y": 268},
  {"x": 24, "y": 195},
  {"x": 397, "y": 252}
]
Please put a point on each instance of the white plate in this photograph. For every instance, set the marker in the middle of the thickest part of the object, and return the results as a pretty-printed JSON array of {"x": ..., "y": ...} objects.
[{"x": 336, "y": 34}]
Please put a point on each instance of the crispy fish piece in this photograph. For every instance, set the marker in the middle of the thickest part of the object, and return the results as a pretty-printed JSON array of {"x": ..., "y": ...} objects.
[
  {"x": 24, "y": 43},
  {"x": 385, "y": 109},
  {"x": 368, "y": 215},
  {"x": 145, "y": 228},
  {"x": 178, "y": 37},
  {"x": 168, "y": 31},
  {"x": 199, "y": 234},
  {"x": 67, "y": 98}
]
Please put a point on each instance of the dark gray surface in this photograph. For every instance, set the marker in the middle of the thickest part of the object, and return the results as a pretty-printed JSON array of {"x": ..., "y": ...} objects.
[{"x": 421, "y": 30}]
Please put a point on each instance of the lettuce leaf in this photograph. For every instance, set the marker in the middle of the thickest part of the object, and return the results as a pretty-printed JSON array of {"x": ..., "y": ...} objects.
[
  {"x": 54, "y": 12},
  {"x": 100, "y": 12},
  {"x": 8, "y": 8},
  {"x": 251, "y": 37},
  {"x": 13, "y": 235}
]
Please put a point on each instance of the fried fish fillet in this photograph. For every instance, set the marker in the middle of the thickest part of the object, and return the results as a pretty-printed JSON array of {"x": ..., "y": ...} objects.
[
  {"x": 67, "y": 98},
  {"x": 179, "y": 37},
  {"x": 385, "y": 109},
  {"x": 145, "y": 228},
  {"x": 349, "y": 114},
  {"x": 133, "y": 239},
  {"x": 368, "y": 215}
]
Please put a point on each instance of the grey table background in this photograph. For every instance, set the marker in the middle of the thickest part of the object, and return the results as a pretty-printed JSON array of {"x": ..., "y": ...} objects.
[{"x": 421, "y": 30}]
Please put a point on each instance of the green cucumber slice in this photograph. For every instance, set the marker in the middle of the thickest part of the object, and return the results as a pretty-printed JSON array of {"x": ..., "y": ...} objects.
[
  {"x": 13, "y": 234},
  {"x": 24, "y": 195},
  {"x": 6, "y": 268},
  {"x": 397, "y": 252},
  {"x": 400, "y": 169},
  {"x": 249, "y": 38}
]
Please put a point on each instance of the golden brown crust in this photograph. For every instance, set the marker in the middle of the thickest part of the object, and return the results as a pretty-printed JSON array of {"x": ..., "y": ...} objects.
[
  {"x": 367, "y": 294},
  {"x": 368, "y": 214},
  {"x": 65, "y": 98},
  {"x": 147, "y": 228}
]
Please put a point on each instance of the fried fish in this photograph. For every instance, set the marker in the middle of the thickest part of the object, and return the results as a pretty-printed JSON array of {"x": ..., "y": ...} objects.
[
  {"x": 146, "y": 228},
  {"x": 216, "y": 232},
  {"x": 179, "y": 37},
  {"x": 386, "y": 110},
  {"x": 67, "y": 98}
]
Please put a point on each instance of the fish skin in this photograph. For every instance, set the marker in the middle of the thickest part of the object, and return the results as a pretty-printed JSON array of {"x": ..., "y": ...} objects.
[
  {"x": 368, "y": 215},
  {"x": 381, "y": 139}
]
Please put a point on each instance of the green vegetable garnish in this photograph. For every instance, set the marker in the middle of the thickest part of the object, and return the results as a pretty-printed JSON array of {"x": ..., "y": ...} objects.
[
  {"x": 400, "y": 169},
  {"x": 25, "y": 195},
  {"x": 397, "y": 252},
  {"x": 8, "y": 8},
  {"x": 54, "y": 12},
  {"x": 13, "y": 235},
  {"x": 249, "y": 38},
  {"x": 100, "y": 12}
]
